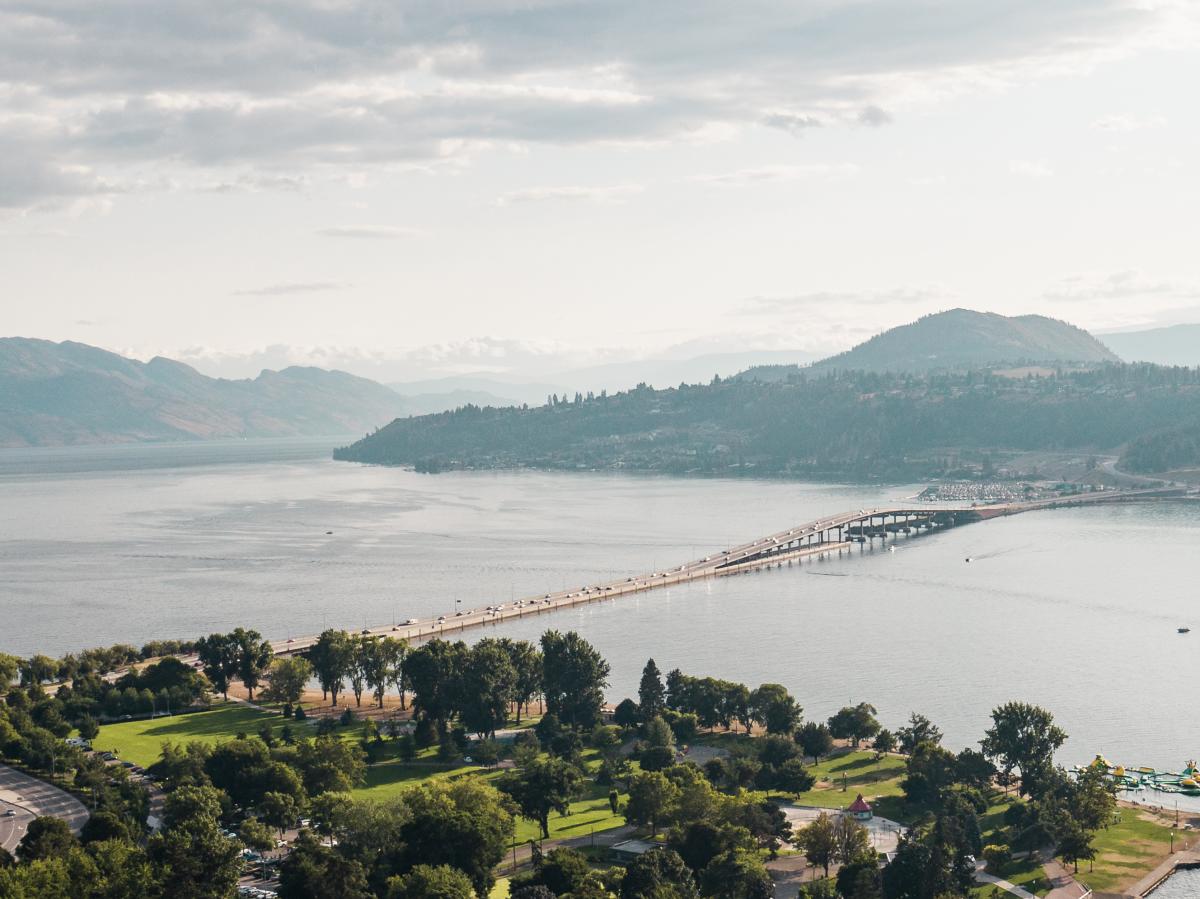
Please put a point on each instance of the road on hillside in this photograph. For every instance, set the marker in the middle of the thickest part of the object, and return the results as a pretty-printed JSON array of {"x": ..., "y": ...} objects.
[{"x": 28, "y": 798}]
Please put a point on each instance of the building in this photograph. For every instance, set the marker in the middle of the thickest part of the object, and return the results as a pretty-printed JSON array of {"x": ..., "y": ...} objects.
[{"x": 860, "y": 810}]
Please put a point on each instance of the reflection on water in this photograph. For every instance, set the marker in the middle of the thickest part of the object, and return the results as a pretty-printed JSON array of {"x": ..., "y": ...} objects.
[{"x": 1076, "y": 610}]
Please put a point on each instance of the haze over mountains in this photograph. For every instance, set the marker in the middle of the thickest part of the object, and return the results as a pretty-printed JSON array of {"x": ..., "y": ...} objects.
[
  {"x": 72, "y": 393},
  {"x": 68, "y": 393}
]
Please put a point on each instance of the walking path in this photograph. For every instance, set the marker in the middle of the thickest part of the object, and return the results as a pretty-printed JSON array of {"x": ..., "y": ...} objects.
[
  {"x": 981, "y": 877},
  {"x": 30, "y": 798}
]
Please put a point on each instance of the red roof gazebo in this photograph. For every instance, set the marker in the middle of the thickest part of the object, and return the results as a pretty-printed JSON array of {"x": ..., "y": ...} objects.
[{"x": 860, "y": 810}]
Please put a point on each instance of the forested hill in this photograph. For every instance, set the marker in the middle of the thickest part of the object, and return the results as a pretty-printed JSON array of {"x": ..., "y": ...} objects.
[
  {"x": 959, "y": 339},
  {"x": 836, "y": 424},
  {"x": 72, "y": 393}
]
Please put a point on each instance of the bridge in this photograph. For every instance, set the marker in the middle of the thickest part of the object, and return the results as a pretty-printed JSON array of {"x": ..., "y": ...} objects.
[{"x": 823, "y": 536}]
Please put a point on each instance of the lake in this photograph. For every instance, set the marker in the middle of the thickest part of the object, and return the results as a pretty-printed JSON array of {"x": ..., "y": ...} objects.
[{"x": 1075, "y": 609}]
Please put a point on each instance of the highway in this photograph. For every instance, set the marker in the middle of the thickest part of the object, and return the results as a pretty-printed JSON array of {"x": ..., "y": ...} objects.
[
  {"x": 823, "y": 536},
  {"x": 28, "y": 798}
]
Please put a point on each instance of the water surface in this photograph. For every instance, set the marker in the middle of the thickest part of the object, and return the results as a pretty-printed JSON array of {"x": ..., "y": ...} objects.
[{"x": 1072, "y": 609}]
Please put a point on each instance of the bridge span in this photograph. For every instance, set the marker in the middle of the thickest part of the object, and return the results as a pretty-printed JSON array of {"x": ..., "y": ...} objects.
[{"x": 832, "y": 534}]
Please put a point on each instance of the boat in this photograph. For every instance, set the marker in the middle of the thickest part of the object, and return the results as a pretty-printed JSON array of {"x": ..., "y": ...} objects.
[{"x": 1183, "y": 630}]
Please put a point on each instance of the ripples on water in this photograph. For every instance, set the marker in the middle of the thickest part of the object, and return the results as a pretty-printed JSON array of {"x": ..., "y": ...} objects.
[
  {"x": 1180, "y": 885},
  {"x": 1072, "y": 609}
]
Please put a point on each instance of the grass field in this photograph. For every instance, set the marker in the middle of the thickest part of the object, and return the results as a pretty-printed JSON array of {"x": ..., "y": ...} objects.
[
  {"x": 141, "y": 742},
  {"x": 1127, "y": 851},
  {"x": 840, "y": 778}
]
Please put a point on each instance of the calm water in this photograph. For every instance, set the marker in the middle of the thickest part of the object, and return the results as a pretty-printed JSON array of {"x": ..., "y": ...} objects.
[
  {"x": 1075, "y": 610},
  {"x": 1180, "y": 885}
]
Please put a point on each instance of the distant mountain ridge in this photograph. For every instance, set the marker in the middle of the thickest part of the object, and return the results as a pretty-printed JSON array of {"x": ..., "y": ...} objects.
[
  {"x": 1174, "y": 345},
  {"x": 962, "y": 338},
  {"x": 72, "y": 393}
]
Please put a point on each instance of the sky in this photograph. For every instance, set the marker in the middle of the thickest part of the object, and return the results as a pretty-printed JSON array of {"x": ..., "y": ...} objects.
[{"x": 415, "y": 189}]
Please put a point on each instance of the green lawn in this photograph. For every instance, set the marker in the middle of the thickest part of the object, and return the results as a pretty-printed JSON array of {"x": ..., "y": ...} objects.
[
  {"x": 141, "y": 742},
  {"x": 840, "y": 778},
  {"x": 1127, "y": 851}
]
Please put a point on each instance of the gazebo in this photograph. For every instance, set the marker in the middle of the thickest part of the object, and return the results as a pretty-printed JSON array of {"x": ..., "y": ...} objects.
[{"x": 859, "y": 809}]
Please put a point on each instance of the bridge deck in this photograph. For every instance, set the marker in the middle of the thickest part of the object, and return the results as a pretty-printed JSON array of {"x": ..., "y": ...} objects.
[{"x": 824, "y": 535}]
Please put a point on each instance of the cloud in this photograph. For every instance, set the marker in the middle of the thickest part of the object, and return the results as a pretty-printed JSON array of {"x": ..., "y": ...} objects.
[
  {"x": 1030, "y": 168},
  {"x": 758, "y": 174},
  {"x": 193, "y": 92},
  {"x": 805, "y": 303},
  {"x": 571, "y": 193},
  {"x": 291, "y": 287},
  {"x": 791, "y": 122},
  {"x": 367, "y": 232},
  {"x": 1123, "y": 123},
  {"x": 874, "y": 117},
  {"x": 1123, "y": 285},
  {"x": 257, "y": 183}
]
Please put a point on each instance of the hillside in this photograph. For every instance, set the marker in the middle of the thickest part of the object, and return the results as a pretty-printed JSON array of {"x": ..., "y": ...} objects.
[
  {"x": 962, "y": 338},
  {"x": 71, "y": 393},
  {"x": 1176, "y": 345},
  {"x": 832, "y": 424}
]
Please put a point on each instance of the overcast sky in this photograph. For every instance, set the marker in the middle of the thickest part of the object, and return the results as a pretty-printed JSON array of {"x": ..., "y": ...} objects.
[{"x": 491, "y": 185}]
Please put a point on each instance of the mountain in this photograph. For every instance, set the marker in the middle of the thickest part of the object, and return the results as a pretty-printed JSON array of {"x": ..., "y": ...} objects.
[
  {"x": 1176, "y": 345},
  {"x": 493, "y": 389},
  {"x": 832, "y": 423},
  {"x": 963, "y": 338},
  {"x": 72, "y": 393}
]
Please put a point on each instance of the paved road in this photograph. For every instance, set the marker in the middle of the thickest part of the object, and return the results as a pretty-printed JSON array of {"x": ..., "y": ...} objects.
[{"x": 30, "y": 798}]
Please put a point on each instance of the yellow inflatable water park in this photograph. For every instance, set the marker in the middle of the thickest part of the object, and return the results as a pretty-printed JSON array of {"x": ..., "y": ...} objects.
[{"x": 1186, "y": 782}]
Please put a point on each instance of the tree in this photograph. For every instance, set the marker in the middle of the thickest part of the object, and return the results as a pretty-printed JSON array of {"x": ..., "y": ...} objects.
[
  {"x": 397, "y": 676},
  {"x": 331, "y": 657},
  {"x": 254, "y": 656},
  {"x": 88, "y": 727},
  {"x": 651, "y": 694},
  {"x": 574, "y": 676},
  {"x": 218, "y": 653},
  {"x": 103, "y": 825},
  {"x": 488, "y": 685},
  {"x": 426, "y": 882},
  {"x": 313, "y": 871},
  {"x": 541, "y": 788},
  {"x": 793, "y": 777},
  {"x": 919, "y": 730},
  {"x": 627, "y": 713},
  {"x": 1024, "y": 737},
  {"x": 434, "y": 672},
  {"x": 859, "y": 878},
  {"x": 815, "y": 739},
  {"x": 192, "y": 859},
  {"x": 46, "y": 837},
  {"x": 818, "y": 841},
  {"x": 279, "y": 810},
  {"x": 855, "y": 723},
  {"x": 464, "y": 824},
  {"x": 257, "y": 835},
  {"x": 659, "y": 873},
  {"x": 772, "y": 706},
  {"x": 327, "y": 764},
  {"x": 651, "y": 799},
  {"x": 698, "y": 842},
  {"x": 527, "y": 663},
  {"x": 9, "y": 666},
  {"x": 737, "y": 874},
  {"x": 287, "y": 678},
  {"x": 380, "y": 657},
  {"x": 851, "y": 839},
  {"x": 885, "y": 742},
  {"x": 562, "y": 871}
]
